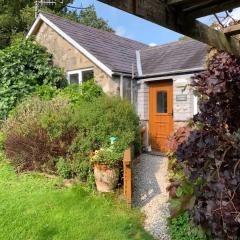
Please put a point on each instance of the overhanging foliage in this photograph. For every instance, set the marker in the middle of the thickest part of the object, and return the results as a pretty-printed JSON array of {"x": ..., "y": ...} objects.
[{"x": 212, "y": 151}]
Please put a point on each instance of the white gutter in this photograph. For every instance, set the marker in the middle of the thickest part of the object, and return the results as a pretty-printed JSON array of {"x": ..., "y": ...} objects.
[{"x": 71, "y": 41}]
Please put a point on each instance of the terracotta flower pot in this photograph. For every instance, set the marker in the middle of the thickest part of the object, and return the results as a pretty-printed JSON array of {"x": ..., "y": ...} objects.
[{"x": 106, "y": 178}]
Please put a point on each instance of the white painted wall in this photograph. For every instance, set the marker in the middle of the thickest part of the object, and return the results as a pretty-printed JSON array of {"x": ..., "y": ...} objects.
[
  {"x": 142, "y": 100},
  {"x": 182, "y": 110}
]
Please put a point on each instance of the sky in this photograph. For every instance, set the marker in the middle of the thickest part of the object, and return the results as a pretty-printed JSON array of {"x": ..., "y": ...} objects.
[{"x": 133, "y": 27}]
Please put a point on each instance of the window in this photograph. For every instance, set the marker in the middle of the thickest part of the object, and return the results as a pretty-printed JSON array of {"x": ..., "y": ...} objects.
[
  {"x": 80, "y": 76},
  {"x": 162, "y": 102},
  {"x": 74, "y": 78},
  {"x": 87, "y": 75}
]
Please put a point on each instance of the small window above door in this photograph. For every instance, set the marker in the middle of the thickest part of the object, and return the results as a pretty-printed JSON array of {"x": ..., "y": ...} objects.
[
  {"x": 161, "y": 102},
  {"x": 80, "y": 76}
]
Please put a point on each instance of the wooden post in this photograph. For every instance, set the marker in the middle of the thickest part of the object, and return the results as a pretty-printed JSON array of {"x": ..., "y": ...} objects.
[{"x": 127, "y": 175}]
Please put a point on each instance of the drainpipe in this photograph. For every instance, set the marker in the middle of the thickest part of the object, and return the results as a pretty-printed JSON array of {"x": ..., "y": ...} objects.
[
  {"x": 121, "y": 85},
  {"x": 147, "y": 138},
  {"x": 132, "y": 86},
  {"x": 139, "y": 64}
]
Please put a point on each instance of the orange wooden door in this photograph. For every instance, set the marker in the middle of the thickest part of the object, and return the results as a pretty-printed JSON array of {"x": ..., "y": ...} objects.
[{"x": 160, "y": 114}]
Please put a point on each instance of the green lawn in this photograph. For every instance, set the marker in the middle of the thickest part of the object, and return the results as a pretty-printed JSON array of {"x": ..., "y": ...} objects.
[{"x": 33, "y": 207}]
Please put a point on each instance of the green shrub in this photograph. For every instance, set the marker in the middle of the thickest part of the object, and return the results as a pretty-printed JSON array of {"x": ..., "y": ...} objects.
[
  {"x": 27, "y": 144},
  {"x": 2, "y": 140},
  {"x": 180, "y": 228},
  {"x": 29, "y": 113},
  {"x": 40, "y": 130},
  {"x": 76, "y": 93},
  {"x": 23, "y": 67},
  {"x": 81, "y": 166},
  {"x": 180, "y": 189},
  {"x": 64, "y": 168},
  {"x": 46, "y": 92},
  {"x": 88, "y": 91},
  {"x": 107, "y": 117}
]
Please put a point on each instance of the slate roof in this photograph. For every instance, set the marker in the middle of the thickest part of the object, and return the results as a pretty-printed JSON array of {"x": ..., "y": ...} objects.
[
  {"x": 181, "y": 55},
  {"x": 117, "y": 53}
]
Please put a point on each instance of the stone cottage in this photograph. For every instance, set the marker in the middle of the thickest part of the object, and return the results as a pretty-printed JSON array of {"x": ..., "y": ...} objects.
[{"x": 154, "y": 79}]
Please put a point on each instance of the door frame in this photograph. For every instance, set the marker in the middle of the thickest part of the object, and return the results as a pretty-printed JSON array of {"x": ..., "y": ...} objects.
[{"x": 157, "y": 83}]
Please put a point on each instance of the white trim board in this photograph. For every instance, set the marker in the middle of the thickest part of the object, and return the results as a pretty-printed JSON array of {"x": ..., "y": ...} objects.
[
  {"x": 41, "y": 17},
  {"x": 79, "y": 72},
  {"x": 169, "y": 74}
]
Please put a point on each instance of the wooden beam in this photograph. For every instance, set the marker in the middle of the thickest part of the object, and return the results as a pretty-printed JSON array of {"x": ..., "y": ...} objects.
[
  {"x": 180, "y": 2},
  {"x": 214, "y": 6},
  {"x": 160, "y": 13},
  {"x": 232, "y": 30}
]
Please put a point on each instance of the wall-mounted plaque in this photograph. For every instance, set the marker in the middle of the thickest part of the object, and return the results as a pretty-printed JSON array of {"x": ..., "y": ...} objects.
[{"x": 181, "y": 97}]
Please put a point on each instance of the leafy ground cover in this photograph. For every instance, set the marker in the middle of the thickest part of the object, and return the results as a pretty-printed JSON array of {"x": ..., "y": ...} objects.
[
  {"x": 181, "y": 228},
  {"x": 34, "y": 207}
]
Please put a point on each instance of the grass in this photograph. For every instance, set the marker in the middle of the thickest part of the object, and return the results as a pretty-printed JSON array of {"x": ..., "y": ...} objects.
[{"x": 34, "y": 207}]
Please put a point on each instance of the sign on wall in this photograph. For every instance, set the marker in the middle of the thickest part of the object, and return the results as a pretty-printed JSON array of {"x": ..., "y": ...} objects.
[{"x": 181, "y": 97}]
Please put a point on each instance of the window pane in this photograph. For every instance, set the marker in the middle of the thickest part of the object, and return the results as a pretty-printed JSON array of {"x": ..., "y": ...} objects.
[
  {"x": 87, "y": 75},
  {"x": 162, "y": 102},
  {"x": 74, "y": 78}
]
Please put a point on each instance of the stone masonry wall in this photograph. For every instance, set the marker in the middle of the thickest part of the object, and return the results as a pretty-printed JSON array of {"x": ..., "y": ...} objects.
[{"x": 69, "y": 58}]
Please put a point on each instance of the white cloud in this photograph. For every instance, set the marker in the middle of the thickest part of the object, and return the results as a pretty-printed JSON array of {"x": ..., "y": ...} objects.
[
  {"x": 121, "y": 31},
  {"x": 152, "y": 44},
  {"x": 236, "y": 14}
]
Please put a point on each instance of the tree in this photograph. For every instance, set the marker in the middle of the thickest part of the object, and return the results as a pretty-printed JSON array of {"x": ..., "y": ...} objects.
[
  {"x": 184, "y": 38},
  {"x": 88, "y": 17},
  {"x": 17, "y": 15}
]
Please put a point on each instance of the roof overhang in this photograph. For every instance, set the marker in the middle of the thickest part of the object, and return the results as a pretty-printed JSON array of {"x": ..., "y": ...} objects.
[
  {"x": 169, "y": 74},
  {"x": 41, "y": 18},
  {"x": 181, "y": 16}
]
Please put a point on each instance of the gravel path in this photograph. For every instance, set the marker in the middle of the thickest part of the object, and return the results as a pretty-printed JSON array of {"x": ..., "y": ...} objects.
[{"x": 150, "y": 182}]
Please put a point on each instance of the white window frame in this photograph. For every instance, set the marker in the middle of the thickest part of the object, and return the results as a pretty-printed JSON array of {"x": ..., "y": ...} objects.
[{"x": 79, "y": 72}]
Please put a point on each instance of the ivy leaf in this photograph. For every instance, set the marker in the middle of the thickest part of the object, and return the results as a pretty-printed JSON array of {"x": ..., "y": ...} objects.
[{"x": 179, "y": 192}]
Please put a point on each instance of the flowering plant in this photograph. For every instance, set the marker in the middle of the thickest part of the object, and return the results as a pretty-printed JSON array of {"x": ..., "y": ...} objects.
[{"x": 108, "y": 155}]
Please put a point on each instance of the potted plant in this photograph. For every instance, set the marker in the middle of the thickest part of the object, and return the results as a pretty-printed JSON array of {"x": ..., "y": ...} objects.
[{"x": 106, "y": 168}]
